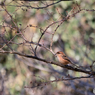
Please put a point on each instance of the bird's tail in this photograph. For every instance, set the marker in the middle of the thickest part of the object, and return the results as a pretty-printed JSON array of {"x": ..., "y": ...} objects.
[{"x": 75, "y": 65}]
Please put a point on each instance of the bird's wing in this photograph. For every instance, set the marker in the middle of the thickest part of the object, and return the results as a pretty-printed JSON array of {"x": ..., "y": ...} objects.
[{"x": 65, "y": 57}]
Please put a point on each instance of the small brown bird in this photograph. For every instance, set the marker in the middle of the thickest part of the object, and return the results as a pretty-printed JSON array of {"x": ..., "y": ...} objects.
[{"x": 63, "y": 58}]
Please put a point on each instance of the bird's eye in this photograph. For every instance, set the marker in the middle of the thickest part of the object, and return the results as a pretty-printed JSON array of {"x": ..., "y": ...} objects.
[{"x": 58, "y": 53}]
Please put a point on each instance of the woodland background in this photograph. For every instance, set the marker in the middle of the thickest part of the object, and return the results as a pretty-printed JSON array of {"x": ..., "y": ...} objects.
[{"x": 22, "y": 23}]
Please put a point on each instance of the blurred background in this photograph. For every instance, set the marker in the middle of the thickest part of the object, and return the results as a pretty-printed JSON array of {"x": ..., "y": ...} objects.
[{"x": 22, "y": 21}]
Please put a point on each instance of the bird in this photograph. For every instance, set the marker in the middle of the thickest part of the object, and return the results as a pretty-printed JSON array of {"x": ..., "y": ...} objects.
[{"x": 62, "y": 58}]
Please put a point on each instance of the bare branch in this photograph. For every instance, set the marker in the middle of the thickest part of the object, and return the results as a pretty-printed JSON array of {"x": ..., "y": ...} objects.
[
  {"x": 50, "y": 62},
  {"x": 29, "y": 6},
  {"x": 61, "y": 79}
]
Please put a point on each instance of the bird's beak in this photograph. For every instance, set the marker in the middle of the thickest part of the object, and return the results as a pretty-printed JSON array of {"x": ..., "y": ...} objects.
[{"x": 55, "y": 54}]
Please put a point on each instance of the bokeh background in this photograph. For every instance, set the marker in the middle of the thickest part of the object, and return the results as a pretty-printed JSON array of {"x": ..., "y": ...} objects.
[{"x": 75, "y": 37}]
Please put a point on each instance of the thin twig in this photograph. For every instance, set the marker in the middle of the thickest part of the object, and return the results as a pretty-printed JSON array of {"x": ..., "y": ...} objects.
[
  {"x": 29, "y": 6},
  {"x": 57, "y": 80}
]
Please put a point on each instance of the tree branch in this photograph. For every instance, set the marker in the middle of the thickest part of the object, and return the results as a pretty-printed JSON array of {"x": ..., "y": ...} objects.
[{"x": 50, "y": 62}]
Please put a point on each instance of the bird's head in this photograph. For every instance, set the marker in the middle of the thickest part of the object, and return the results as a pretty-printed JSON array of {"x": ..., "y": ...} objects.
[{"x": 59, "y": 53}]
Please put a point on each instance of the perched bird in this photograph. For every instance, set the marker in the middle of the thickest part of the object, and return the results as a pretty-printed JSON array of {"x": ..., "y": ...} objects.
[{"x": 63, "y": 58}]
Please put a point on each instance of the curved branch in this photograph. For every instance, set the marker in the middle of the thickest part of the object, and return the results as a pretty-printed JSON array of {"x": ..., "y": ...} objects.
[
  {"x": 61, "y": 79},
  {"x": 50, "y": 62},
  {"x": 29, "y": 6}
]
